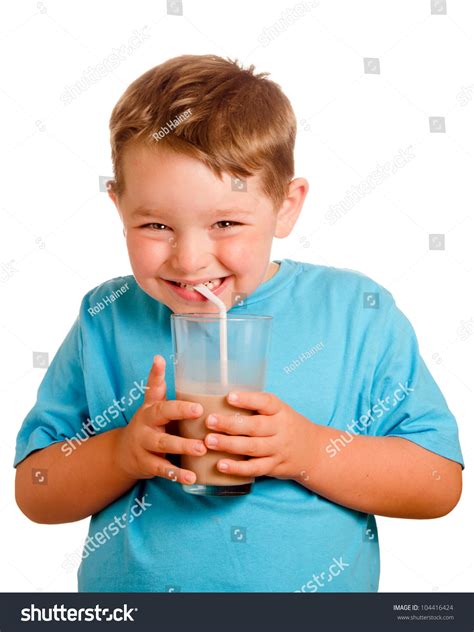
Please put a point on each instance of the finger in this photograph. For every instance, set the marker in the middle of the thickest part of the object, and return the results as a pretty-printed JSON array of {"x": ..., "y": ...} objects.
[
  {"x": 242, "y": 424},
  {"x": 156, "y": 385},
  {"x": 263, "y": 402},
  {"x": 251, "y": 467},
  {"x": 161, "y": 413},
  {"x": 250, "y": 446},
  {"x": 164, "y": 443},
  {"x": 164, "y": 469}
]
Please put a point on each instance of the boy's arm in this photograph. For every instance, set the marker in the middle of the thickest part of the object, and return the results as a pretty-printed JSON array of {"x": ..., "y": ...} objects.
[
  {"x": 388, "y": 476},
  {"x": 76, "y": 485},
  {"x": 381, "y": 473}
]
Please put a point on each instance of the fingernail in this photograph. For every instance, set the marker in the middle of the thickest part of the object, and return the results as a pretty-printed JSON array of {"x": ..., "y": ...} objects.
[
  {"x": 189, "y": 478},
  {"x": 223, "y": 466},
  {"x": 196, "y": 408},
  {"x": 233, "y": 397},
  {"x": 212, "y": 421},
  {"x": 198, "y": 447},
  {"x": 211, "y": 440}
]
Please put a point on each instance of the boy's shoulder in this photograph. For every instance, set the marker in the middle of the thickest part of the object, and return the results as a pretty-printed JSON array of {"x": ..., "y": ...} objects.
[{"x": 346, "y": 285}]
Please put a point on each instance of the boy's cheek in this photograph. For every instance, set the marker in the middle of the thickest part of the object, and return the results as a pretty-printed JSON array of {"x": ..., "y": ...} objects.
[{"x": 145, "y": 261}]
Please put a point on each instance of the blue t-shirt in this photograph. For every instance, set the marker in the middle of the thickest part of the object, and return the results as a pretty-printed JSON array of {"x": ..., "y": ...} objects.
[{"x": 342, "y": 354}]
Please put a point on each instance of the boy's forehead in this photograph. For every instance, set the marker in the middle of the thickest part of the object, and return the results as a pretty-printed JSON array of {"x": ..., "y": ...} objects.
[{"x": 153, "y": 176}]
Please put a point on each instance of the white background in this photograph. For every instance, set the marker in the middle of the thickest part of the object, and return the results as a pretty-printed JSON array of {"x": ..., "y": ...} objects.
[{"x": 60, "y": 236}]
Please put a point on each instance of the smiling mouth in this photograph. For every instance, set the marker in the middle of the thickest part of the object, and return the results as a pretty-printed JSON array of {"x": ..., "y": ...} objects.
[{"x": 212, "y": 284}]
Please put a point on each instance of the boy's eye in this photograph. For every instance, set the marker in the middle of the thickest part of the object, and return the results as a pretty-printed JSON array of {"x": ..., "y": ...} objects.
[
  {"x": 153, "y": 225},
  {"x": 225, "y": 221}
]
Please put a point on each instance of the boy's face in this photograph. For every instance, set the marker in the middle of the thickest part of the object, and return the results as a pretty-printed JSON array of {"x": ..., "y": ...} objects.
[{"x": 175, "y": 212}]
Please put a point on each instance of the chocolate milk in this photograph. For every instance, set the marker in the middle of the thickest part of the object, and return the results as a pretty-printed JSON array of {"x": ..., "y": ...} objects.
[{"x": 205, "y": 466}]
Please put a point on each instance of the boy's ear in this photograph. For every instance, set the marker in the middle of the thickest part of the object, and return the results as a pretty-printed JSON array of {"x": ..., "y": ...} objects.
[
  {"x": 113, "y": 196},
  {"x": 111, "y": 191},
  {"x": 289, "y": 211}
]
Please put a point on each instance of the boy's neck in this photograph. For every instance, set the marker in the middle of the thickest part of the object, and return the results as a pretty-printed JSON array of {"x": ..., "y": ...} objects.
[{"x": 271, "y": 270}]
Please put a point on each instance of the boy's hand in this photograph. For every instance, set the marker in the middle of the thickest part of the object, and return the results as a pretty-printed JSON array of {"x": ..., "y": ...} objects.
[
  {"x": 142, "y": 444},
  {"x": 279, "y": 439}
]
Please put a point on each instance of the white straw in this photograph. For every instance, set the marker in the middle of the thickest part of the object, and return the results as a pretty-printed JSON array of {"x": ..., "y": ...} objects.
[{"x": 202, "y": 289}]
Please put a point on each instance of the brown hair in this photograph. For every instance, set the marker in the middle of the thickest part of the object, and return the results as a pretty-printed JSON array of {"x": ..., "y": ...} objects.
[{"x": 224, "y": 115}]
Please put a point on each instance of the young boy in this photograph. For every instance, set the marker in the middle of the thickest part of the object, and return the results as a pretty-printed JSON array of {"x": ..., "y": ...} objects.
[{"x": 351, "y": 424}]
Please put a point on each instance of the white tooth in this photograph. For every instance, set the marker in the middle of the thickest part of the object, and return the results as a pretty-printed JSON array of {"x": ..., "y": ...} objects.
[{"x": 209, "y": 284}]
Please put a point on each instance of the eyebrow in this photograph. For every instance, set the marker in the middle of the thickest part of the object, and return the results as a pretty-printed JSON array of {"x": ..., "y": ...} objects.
[{"x": 147, "y": 212}]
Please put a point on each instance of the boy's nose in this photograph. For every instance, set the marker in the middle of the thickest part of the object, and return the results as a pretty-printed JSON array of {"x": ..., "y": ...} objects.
[{"x": 190, "y": 256}]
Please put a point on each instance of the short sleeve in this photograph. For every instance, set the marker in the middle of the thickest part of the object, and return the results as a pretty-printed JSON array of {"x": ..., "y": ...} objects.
[
  {"x": 405, "y": 399},
  {"x": 61, "y": 405}
]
